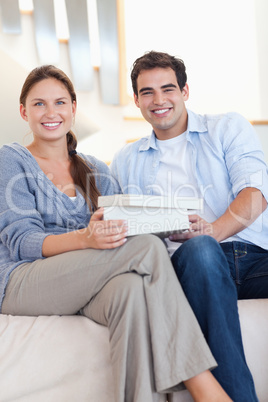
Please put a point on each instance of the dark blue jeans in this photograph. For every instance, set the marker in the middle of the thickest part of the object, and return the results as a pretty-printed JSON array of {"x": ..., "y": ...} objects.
[{"x": 214, "y": 276}]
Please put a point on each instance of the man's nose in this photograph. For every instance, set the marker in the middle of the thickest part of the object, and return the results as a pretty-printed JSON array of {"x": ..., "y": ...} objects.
[{"x": 159, "y": 98}]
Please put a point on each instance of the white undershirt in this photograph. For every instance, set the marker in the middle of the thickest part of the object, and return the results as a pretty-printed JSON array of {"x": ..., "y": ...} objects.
[{"x": 179, "y": 182}]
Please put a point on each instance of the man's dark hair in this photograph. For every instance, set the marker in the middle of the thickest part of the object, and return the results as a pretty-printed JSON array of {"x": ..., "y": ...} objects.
[{"x": 154, "y": 59}]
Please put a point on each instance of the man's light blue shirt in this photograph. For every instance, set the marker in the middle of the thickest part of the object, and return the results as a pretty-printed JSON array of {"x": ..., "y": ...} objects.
[{"x": 226, "y": 157}]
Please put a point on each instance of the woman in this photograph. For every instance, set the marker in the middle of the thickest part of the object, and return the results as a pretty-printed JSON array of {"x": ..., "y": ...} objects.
[{"x": 59, "y": 257}]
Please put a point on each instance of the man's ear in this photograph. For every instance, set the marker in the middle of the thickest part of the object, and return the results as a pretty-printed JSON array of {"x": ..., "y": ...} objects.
[
  {"x": 136, "y": 100},
  {"x": 23, "y": 112},
  {"x": 185, "y": 92}
]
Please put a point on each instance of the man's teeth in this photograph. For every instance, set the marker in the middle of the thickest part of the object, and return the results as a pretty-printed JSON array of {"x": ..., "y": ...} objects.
[
  {"x": 51, "y": 124},
  {"x": 161, "y": 111}
]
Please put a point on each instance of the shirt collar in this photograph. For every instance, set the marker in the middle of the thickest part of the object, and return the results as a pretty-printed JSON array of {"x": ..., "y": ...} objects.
[
  {"x": 149, "y": 143},
  {"x": 196, "y": 123}
]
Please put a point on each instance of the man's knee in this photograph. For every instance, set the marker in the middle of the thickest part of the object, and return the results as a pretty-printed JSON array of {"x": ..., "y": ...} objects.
[{"x": 201, "y": 254}]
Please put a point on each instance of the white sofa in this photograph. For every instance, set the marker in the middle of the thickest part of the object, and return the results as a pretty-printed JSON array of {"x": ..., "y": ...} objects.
[{"x": 66, "y": 359}]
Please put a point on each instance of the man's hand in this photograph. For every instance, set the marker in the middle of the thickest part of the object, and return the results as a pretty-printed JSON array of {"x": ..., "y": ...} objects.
[
  {"x": 198, "y": 226},
  {"x": 245, "y": 209}
]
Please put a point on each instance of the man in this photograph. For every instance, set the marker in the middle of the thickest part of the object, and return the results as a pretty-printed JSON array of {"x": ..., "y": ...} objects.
[{"x": 224, "y": 256}]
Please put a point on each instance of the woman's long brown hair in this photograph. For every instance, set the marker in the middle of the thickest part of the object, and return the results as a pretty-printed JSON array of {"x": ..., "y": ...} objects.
[{"x": 82, "y": 174}]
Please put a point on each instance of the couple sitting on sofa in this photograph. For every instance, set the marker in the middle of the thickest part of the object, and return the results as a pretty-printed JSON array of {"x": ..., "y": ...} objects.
[{"x": 59, "y": 257}]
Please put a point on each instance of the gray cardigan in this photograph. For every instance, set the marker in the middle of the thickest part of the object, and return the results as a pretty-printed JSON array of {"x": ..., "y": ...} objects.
[{"x": 31, "y": 207}]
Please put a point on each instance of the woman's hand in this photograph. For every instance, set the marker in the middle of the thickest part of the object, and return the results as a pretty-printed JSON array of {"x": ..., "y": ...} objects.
[
  {"x": 99, "y": 234},
  {"x": 102, "y": 234}
]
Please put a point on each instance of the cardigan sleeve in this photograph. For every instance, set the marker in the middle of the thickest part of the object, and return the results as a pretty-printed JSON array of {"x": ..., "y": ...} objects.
[
  {"x": 105, "y": 182},
  {"x": 21, "y": 225}
]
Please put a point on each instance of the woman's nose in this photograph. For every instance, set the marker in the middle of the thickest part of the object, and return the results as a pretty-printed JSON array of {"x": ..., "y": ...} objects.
[{"x": 50, "y": 111}]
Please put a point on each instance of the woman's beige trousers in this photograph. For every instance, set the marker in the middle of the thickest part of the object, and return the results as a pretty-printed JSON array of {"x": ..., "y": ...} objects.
[{"x": 156, "y": 342}]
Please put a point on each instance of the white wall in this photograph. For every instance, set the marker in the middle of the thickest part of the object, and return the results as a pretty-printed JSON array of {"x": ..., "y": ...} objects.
[
  {"x": 262, "y": 132},
  {"x": 18, "y": 57},
  {"x": 223, "y": 43},
  {"x": 224, "y": 46}
]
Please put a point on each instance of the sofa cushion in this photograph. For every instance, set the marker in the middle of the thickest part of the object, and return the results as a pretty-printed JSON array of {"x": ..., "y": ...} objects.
[
  {"x": 254, "y": 324},
  {"x": 54, "y": 359}
]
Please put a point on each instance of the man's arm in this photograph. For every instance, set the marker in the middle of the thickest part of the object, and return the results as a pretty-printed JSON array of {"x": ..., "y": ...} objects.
[{"x": 241, "y": 213}]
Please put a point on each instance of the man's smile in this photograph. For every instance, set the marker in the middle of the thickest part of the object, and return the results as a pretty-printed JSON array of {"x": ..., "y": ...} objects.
[{"x": 161, "y": 111}]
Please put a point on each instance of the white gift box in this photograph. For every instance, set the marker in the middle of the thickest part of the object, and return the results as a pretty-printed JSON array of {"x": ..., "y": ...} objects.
[{"x": 144, "y": 214}]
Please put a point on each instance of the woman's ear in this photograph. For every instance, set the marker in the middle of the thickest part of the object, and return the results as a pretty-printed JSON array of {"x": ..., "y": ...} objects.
[
  {"x": 74, "y": 108},
  {"x": 23, "y": 112}
]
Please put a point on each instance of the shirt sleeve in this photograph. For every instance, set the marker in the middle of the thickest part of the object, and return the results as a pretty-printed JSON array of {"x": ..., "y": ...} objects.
[
  {"x": 115, "y": 172},
  {"x": 244, "y": 156},
  {"x": 21, "y": 225}
]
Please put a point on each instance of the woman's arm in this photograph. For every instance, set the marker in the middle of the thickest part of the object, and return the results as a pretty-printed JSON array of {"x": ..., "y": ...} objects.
[
  {"x": 21, "y": 226},
  {"x": 99, "y": 234},
  {"x": 24, "y": 205}
]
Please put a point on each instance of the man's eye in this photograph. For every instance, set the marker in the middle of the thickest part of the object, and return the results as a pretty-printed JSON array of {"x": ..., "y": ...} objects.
[
  {"x": 147, "y": 93},
  {"x": 60, "y": 103},
  {"x": 39, "y": 104}
]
